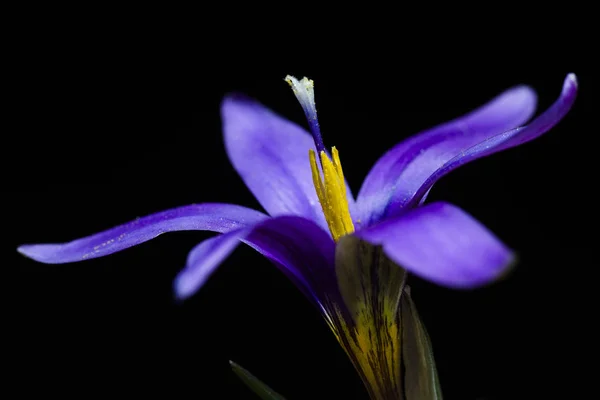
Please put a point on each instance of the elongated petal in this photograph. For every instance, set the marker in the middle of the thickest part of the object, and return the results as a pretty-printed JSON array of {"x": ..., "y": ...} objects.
[
  {"x": 399, "y": 173},
  {"x": 204, "y": 259},
  {"x": 299, "y": 247},
  {"x": 441, "y": 243},
  {"x": 203, "y": 217},
  {"x": 506, "y": 140},
  {"x": 271, "y": 155}
]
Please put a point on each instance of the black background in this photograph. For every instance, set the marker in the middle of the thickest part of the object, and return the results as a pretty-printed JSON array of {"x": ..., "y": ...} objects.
[{"x": 114, "y": 114}]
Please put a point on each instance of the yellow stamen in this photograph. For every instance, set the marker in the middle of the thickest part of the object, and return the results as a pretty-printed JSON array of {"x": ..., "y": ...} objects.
[{"x": 331, "y": 191}]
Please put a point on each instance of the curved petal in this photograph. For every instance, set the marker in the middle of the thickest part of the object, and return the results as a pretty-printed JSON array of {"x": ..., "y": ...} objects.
[
  {"x": 506, "y": 140},
  {"x": 202, "y": 217},
  {"x": 204, "y": 259},
  {"x": 300, "y": 248},
  {"x": 401, "y": 171},
  {"x": 271, "y": 155},
  {"x": 441, "y": 243}
]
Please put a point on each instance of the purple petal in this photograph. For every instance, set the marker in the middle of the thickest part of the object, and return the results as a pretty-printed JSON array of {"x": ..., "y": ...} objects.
[
  {"x": 204, "y": 259},
  {"x": 399, "y": 173},
  {"x": 271, "y": 155},
  {"x": 441, "y": 243},
  {"x": 300, "y": 248},
  {"x": 540, "y": 125},
  {"x": 203, "y": 217}
]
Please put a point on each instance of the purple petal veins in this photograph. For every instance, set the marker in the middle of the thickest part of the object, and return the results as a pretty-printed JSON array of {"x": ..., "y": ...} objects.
[
  {"x": 414, "y": 159},
  {"x": 392, "y": 184},
  {"x": 540, "y": 125},
  {"x": 203, "y": 217},
  {"x": 271, "y": 155}
]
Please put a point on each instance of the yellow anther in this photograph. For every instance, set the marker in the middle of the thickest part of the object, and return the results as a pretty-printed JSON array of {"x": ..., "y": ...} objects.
[
  {"x": 338, "y": 167},
  {"x": 331, "y": 191}
]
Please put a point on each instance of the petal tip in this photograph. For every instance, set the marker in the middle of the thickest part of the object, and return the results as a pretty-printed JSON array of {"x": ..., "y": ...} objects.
[
  {"x": 236, "y": 99},
  {"x": 504, "y": 267},
  {"x": 571, "y": 77},
  {"x": 508, "y": 267},
  {"x": 571, "y": 84},
  {"x": 525, "y": 91},
  {"x": 506, "y": 261},
  {"x": 238, "y": 109},
  {"x": 522, "y": 97},
  {"x": 35, "y": 252},
  {"x": 182, "y": 289}
]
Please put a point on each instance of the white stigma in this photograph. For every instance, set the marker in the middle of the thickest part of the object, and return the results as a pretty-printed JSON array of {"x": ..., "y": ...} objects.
[{"x": 304, "y": 91}]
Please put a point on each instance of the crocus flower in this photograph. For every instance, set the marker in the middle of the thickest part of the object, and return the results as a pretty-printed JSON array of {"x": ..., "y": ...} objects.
[{"x": 313, "y": 222}]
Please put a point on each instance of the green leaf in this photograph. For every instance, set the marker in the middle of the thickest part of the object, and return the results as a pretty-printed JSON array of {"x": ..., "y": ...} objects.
[
  {"x": 262, "y": 390},
  {"x": 420, "y": 377}
]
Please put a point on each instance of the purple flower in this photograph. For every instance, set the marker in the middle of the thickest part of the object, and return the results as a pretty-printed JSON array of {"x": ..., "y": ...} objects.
[{"x": 310, "y": 208}]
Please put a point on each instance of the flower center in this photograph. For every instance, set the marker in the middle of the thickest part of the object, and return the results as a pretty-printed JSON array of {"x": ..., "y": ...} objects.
[{"x": 331, "y": 187}]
